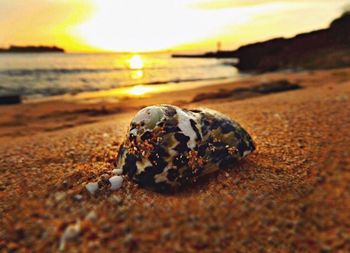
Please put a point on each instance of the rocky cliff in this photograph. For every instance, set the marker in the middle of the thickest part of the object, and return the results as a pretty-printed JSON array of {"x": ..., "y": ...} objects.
[{"x": 326, "y": 48}]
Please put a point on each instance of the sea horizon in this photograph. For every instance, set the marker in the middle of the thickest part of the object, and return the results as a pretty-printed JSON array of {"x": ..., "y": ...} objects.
[{"x": 33, "y": 75}]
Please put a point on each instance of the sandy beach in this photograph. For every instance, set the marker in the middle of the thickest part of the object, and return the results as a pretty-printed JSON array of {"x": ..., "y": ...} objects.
[{"x": 291, "y": 195}]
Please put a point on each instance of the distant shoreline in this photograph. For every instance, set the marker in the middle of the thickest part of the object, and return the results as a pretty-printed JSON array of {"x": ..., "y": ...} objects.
[
  {"x": 218, "y": 54},
  {"x": 32, "y": 49},
  {"x": 321, "y": 49}
]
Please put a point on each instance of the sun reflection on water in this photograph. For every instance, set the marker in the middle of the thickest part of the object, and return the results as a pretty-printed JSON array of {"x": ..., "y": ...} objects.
[
  {"x": 136, "y": 74},
  {"x": 139, "y": 90}
]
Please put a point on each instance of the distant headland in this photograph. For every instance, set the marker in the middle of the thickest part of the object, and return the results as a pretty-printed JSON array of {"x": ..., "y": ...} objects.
[
  {"x": 32, "y": 49},
  {"x": 320, "y": 49}
]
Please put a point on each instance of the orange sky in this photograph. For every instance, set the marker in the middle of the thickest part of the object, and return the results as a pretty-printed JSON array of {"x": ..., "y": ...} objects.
[{"x": 147, "y": 25}]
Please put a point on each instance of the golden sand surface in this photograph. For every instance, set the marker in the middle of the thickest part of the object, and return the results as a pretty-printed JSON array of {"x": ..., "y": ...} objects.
[{"x": 291, "y": 195}]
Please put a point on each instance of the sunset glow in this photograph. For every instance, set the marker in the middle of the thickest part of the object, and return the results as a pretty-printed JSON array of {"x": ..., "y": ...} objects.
[{"x": 138, "y": 25}]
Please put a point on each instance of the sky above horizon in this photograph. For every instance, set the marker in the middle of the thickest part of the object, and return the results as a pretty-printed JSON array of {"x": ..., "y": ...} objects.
[{"x": 140, "y": 25}]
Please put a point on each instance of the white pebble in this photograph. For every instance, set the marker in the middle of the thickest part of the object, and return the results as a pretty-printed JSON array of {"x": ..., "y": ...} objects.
[
  {"x": 92, "y": 187},
  {"x": 116, "y": 182},
  {"x": 117, "y": 171}
]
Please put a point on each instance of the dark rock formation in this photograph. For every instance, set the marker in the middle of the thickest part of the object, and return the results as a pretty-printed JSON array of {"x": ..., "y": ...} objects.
[
  {"x": 10, "y": 99},
  {"x": 31, "y": 49},
  {"x": 326, "y": 48},
  {"x": 218, "y": 54}
]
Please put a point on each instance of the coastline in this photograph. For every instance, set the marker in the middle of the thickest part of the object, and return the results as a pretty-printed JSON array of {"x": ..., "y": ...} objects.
[{"x": 13, "y": 49}]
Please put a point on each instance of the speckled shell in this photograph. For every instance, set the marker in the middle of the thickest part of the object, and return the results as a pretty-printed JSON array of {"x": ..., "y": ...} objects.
[{"x": 167, "y": 146}]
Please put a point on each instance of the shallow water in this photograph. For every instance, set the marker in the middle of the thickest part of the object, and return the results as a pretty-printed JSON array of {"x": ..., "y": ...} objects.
[{"x": 41, "y": 75}]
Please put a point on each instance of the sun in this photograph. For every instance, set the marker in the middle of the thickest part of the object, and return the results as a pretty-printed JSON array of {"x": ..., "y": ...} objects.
[
  {"x": 143, "y": 26},
  {"x": 157, "y": 25}
]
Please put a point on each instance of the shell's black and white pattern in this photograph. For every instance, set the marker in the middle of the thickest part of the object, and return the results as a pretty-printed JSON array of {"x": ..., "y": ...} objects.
[{"x": 167, "y": 146}]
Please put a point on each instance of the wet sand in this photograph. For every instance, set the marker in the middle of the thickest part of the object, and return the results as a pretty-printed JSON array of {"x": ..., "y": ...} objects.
[
  {"x": 47, "y": 115},
  {"x": 291, "y": 195}
]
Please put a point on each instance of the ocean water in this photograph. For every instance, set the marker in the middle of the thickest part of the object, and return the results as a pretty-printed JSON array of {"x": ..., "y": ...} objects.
[{"x": 41, "y": 75}]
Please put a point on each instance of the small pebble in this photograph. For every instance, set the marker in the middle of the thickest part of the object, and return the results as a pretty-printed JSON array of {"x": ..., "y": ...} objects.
[
  {"x": 71, "y": 232},
  {"x": 116, "y": 182},
  {"x": 117, "y": 171},
  {"x": 60, "y": 196},
  {"x": 91, "y": 215},
  {"x": 92, "y": 187},
  {"x": 78, "y": 197},
  {"x": 115, "y": 200},
  {"x": 65, "y": 184}
]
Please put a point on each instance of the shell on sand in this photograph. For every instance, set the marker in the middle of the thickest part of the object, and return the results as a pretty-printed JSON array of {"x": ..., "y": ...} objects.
[{"x": 167, "y": 146}]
